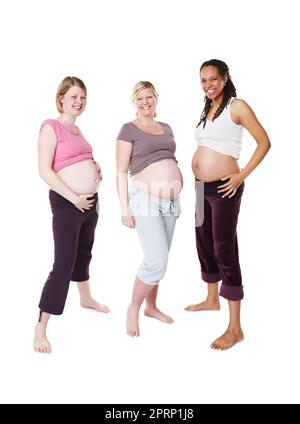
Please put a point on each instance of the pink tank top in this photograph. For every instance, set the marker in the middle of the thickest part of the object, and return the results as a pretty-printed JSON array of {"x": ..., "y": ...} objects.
[{"x": 71, "y": 148}]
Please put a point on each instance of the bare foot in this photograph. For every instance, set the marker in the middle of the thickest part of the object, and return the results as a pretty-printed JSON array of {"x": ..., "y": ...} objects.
[
  {"x": 93, "y": 304},
  {"x": 229, "y": 339},
  {"x": 41, "y": 343},
  {"x": 207, "y": 305},
  {"x": 156, "y": 313},
  {"x": 132, "y": 322}
]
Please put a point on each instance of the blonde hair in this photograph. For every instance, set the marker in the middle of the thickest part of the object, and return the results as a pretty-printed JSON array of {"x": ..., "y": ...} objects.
[
  {"x": 64, "y": 86},
  {"x": 141, "y": 85}
]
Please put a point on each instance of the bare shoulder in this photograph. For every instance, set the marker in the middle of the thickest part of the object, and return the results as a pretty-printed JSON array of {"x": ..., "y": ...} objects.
[
  {"x": 239, "y": 104},
  {"x": 240, "y": 110}
]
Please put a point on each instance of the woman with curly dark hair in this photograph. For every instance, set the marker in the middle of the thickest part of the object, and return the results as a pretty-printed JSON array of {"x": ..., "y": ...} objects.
[{"x": 219, "y": 188}]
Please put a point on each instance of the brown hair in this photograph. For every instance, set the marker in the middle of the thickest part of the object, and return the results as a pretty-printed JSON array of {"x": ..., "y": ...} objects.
[{"x": 64, "y": 86}]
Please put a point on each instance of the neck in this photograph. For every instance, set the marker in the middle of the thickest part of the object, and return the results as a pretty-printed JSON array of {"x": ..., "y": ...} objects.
[
  {"x": 216, "y": 102},
  {"x": 68, "y": 119},
  {"x": 146, "y": 121}
]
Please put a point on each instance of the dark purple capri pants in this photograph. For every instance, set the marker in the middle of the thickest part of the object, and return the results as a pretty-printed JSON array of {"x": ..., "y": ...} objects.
[
  {"x": 216, "y": 237},
  {"x": 73, "y": 233}
]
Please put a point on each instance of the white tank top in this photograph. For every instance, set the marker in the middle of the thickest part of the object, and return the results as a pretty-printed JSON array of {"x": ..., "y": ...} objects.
[{"x": 222, "y": 135}]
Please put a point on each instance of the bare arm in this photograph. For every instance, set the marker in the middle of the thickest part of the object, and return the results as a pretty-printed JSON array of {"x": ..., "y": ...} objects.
[
  {"x": 46, "y": 149},
  {"x": 123, "y": 155},
  {"x": 244, "y": 115}
]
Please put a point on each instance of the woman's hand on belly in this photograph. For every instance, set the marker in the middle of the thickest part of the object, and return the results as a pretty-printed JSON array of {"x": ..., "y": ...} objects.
[{"x": 84, "y": 203}]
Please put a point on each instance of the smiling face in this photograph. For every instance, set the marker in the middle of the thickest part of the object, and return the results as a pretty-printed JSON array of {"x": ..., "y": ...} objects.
[
  {"x": 74, "y": 101},
  {"x": 212, "y": 82},
  {"x": 145, "y": 103}
]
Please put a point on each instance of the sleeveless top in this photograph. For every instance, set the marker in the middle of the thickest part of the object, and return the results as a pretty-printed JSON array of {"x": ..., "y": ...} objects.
[{"x": 222, "y": 135}]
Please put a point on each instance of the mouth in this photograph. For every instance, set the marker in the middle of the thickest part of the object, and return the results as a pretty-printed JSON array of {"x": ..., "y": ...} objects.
[
  {"x": 146, "y": 107},
  {"x": 211, "y": 92}
]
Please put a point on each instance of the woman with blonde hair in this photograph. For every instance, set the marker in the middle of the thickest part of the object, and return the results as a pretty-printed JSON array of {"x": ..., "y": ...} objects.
[{"x": 146, "y": 148}]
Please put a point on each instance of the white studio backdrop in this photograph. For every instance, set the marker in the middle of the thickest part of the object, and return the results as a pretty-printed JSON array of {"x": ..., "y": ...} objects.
[{"x": 111, "y": 45}]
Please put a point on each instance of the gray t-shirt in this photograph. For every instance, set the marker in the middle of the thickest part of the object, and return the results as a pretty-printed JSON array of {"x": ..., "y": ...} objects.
[{"x": 147, "y": 148}]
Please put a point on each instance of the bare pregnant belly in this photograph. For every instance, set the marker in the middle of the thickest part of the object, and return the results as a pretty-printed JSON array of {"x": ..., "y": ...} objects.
[
  {"x": 80, "y": 177},
  {"x": 162, "y": 179},
  {"x": 209, "y": 165}
]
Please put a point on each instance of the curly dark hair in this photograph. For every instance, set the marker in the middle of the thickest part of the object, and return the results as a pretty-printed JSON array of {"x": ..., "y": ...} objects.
[{"x": 229, "y": 90}]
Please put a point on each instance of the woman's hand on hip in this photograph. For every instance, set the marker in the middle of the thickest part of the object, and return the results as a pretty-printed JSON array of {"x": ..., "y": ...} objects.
[
  {"x": 128, "y": 219},
  {"x": 230, "y": 187},
  {"x": 83, "y": 202}
]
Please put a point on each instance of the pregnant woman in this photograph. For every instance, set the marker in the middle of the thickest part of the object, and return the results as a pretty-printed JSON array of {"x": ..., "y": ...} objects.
[
  {"x": 66, "y": 164},
  {"x": 146, "y": 147},
  {"x": 219, "y": 189}
]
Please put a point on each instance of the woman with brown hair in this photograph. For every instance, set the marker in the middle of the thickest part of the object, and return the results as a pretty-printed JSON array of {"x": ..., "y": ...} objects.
[{"x": 67, "y": 165}]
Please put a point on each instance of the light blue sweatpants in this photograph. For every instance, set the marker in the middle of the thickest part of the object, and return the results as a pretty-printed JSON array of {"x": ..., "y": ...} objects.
[{"x": 155, "y": 221}]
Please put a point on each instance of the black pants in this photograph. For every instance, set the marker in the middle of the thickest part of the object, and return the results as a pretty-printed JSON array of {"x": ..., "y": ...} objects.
[
  {"x": 73, "y": 233},
  {"x": 216, "y": 238}
]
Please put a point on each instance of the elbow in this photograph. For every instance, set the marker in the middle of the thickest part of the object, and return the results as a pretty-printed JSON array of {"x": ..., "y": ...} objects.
[
  {"x": 44, "y": 173},
  {"x": 265, "y": 145},
  {"x": 41, "y": 173}
]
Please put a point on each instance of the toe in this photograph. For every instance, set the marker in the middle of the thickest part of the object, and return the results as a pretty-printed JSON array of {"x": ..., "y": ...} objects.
[
  {"x": 188, "y": 308},
  {"x": 105, "y": 309}
]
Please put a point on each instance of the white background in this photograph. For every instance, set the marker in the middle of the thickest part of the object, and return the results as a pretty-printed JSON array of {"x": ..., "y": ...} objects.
[{"x": 111, "y": 45}]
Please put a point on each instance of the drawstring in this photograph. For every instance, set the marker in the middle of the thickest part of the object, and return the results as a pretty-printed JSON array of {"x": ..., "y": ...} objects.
[{"x": 172, "y": 207}]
